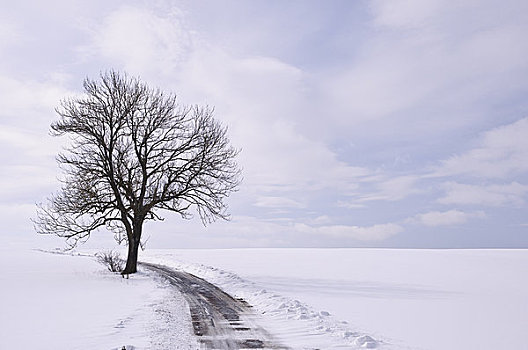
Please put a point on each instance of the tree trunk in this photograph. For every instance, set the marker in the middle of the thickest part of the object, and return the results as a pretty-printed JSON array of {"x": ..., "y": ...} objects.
[
  {"x": 131, "y": 265},
  {"x": 133, "y": 247}
]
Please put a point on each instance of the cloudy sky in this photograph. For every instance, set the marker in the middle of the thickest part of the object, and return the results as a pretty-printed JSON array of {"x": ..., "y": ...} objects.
[{"x": 362, "y": 123}]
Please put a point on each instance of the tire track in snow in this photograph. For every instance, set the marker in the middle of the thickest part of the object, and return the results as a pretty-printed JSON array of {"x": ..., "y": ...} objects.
[{"x": 219, "y": 320}]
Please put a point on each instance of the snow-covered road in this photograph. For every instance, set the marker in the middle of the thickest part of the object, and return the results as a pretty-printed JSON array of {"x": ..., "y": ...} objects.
[{"x": 219, "y": 320}]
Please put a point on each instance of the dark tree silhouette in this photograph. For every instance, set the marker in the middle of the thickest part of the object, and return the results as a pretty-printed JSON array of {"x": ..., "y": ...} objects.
[{"x": 135, "y": 151}]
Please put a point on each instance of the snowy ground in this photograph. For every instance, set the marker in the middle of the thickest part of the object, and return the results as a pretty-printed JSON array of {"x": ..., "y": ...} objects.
[
  {"x": 325, "y": 298},
  {"x": 52, "y": 301},
  {"x": 416, "y": 299}
]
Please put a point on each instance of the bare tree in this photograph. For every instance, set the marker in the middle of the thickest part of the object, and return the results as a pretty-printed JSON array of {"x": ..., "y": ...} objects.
[{"x": 135, "y": 151}]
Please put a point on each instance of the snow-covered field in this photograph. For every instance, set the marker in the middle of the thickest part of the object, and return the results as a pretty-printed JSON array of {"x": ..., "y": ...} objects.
[
  {"x": 417, "y": 299},
  {"x": 325, "y": 298},
  {"x": 52, "y": 301}
]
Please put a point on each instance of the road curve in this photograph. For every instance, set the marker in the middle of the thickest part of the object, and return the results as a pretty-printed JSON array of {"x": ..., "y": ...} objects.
[{"x": 219, "y": 320}]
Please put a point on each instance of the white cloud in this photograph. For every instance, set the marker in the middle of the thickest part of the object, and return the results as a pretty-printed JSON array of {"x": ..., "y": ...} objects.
[
  {"x": 404, "y": 13},
  {"x": 16, "y": 137},
  {"x": 320, "y": 220},
  {"x": 484, "y": 195},
  {"x": 278, "y": 202},
  {"x": 502, "y": 153},
  {"x": 430, "y": 67},
  {"x": 16, "y": 218},
  {"x": 349, "y": 204},
  {"x": 28, "y": 171},
  {"x": 26, "y": 183},
  {"x": 393, "y": 189},
  {"x": 27, "y": 143},
  {"x": 261, "y": 98},
  {"x": 140, "y": 40},
  {"x": 241, "y": 231},
  {"x": 276, "y": 153},
  {"x": 363, "y": 233},
  {"x": 29, "y": 101},
  {"x": 445, "y": 218},
  {"x": 9, "y": 33}
]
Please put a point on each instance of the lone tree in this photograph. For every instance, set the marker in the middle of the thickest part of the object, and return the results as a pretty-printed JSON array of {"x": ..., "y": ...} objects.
[{"x": 135, "y": 151}]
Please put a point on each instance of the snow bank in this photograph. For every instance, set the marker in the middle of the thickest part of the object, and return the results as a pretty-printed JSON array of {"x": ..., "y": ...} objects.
[{"x": 53, "y": 301}]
